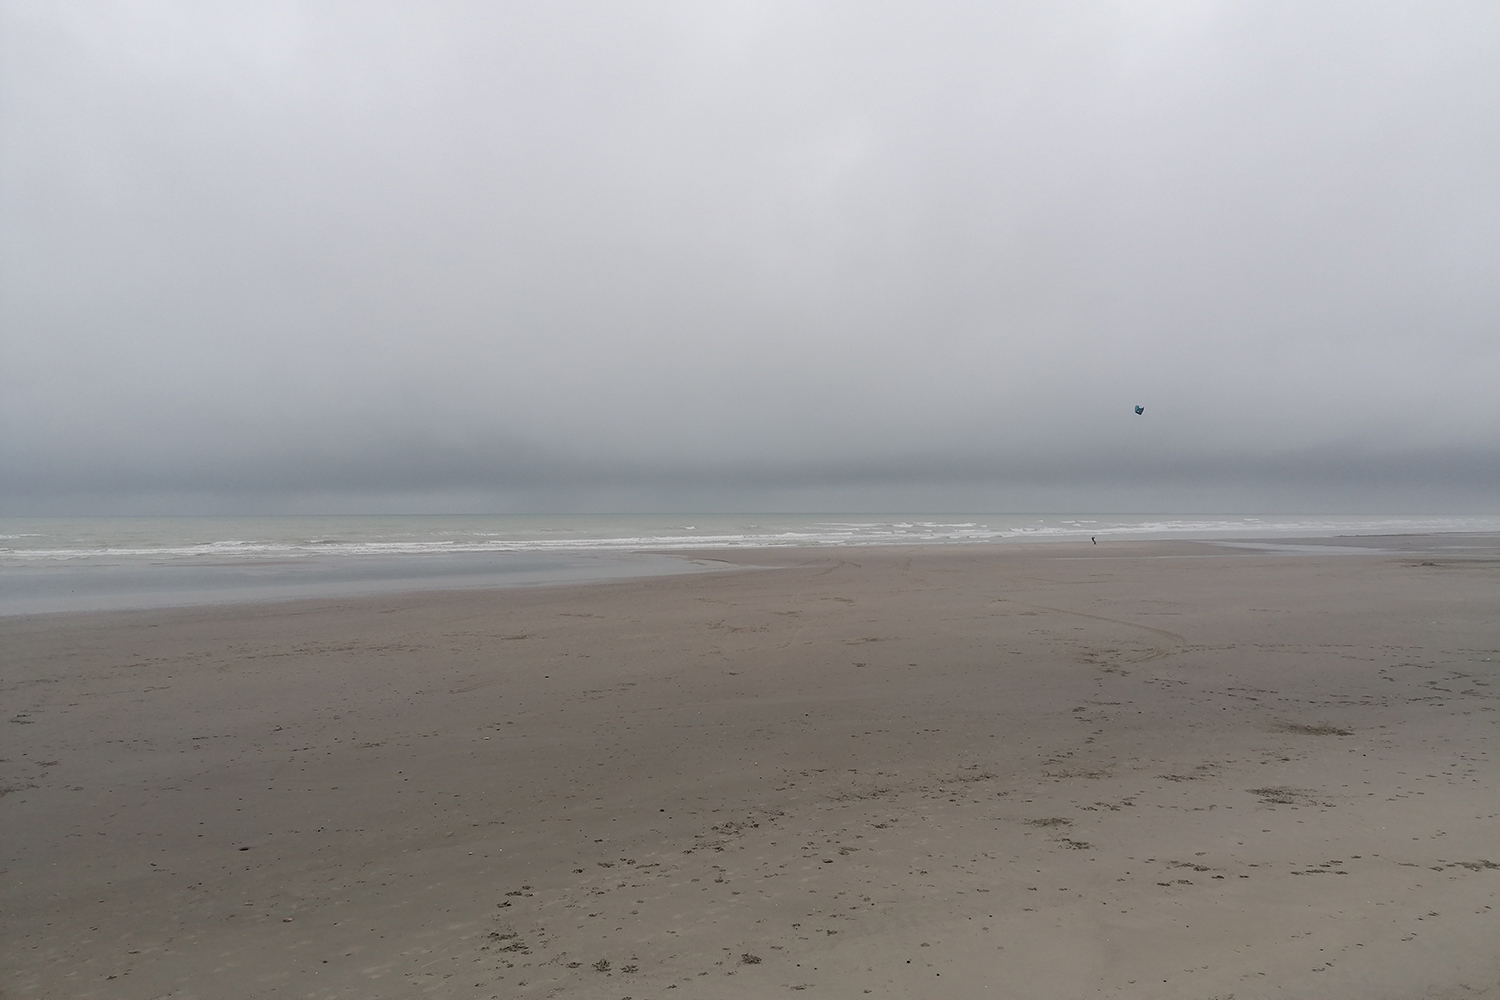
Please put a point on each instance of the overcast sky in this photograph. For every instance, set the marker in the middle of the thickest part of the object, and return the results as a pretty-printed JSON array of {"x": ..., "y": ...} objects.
[{"x": 328, "y": 256}]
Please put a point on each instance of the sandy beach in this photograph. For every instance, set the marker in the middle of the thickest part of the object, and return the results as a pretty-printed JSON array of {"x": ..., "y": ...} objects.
[{"x": 1136, "y": 769}]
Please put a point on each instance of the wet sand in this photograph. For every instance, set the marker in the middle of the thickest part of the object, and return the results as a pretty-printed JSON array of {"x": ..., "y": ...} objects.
[{"x": 1135, "y": 769}]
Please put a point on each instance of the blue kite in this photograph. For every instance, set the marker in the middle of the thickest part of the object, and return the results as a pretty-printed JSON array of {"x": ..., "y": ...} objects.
[{"x": 1139, "y": 410}]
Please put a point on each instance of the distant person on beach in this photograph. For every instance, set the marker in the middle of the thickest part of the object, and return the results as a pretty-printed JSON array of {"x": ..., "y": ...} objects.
[{"x": 1093, "y": 539}]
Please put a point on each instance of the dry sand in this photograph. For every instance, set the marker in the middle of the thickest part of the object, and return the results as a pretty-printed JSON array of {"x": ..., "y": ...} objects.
[{"x": 1136, "y": 769}]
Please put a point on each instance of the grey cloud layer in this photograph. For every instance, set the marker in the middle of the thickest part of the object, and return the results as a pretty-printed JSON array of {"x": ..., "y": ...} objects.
[{"x": 560, "y": 251}]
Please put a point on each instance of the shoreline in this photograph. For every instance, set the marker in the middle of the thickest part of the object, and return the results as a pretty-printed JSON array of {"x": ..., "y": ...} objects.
[
  {"x": 917, "y": 771},
  {"x": 139, "y": 585}
]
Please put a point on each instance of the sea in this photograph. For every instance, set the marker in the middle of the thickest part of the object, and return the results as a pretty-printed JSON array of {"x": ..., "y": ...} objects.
[{"x": 116, "y": 563}]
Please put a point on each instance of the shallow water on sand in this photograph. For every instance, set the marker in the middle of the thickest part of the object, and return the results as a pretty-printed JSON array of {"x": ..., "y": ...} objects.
[{"x": 96, "y": 585}]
